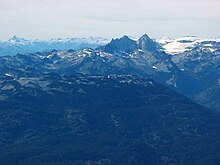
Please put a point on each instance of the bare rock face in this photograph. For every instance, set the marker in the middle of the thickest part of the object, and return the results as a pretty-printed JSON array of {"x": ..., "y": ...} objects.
[
  {"x": 147, "y": 44},
  {"x": 123, "y": 45}
]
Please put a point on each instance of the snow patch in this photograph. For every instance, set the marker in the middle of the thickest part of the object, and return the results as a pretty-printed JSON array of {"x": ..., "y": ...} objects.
[
  {"x": 180, "y": 45},
  {"x": 9, "y": 75}
]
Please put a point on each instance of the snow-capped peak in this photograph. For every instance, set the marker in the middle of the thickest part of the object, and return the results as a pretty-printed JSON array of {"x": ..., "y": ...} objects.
[
  {"x": 15, "y": 39},
  {"x": 20, "y": 45},
  {"x": 91, "y": 40},
  {"x": 179, "y": 45}
]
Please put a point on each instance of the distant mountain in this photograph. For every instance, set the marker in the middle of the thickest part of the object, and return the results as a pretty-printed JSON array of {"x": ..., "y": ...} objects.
[
  {"x": 20, "y": 45},
  {"x": 112, "y": 119},
  {"x": 153, "y": 64},
  {"x": 180, "y": 45},
  {"x": 121, "y": 45},
  {"x": 191, "y": 71},
  {"x": 128, "y": 45},
  {"x": 16, "y": 40}
]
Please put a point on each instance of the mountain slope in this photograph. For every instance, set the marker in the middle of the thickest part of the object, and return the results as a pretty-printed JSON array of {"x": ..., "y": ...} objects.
[
  {"x": 203, "y": 63},
  {"x": 145, "y": 43},
  {"x": 156, "y": 65},
  {"x": 115, "y": 119}
]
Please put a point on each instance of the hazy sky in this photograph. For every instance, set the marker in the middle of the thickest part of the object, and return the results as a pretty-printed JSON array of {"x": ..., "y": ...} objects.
[{"x": 45, "y": 19}]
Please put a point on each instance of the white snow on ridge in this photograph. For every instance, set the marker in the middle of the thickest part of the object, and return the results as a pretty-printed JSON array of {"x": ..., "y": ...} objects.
[
  {"x": 89, "y": 40},
  {"x": 175, "y": 46},
  {"x": 9, "y": 75}
]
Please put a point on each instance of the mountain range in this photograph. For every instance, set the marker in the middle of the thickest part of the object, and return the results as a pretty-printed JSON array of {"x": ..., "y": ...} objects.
[
  {"x": 126, "y": 101},
  {"x": 20, "y": 45},
  {"x": 191, "y": 72},
  {"x": 17, "y": 44}
]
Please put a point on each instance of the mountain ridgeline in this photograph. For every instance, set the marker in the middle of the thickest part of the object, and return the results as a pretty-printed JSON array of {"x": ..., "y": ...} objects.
[
  {"x": 127, "y": 45},
  {"x": 190, "y": 72},
  {"x": 126, "y": 102},
  {"x": 20, "y": 45}
]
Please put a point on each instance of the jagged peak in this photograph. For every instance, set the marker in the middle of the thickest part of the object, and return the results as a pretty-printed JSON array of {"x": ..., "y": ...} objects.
[
  {"x": 123, "y": 44},
  {"x": 146, "y": 43},
  {"x": 124, "y": 38},
  {"x": 145, "y": 37}
]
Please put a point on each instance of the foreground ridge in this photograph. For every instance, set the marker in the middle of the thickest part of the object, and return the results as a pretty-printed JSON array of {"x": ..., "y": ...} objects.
[{"x": 112, "y": 119}]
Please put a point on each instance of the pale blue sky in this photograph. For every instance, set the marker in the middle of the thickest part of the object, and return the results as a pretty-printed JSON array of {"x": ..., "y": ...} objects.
[{"x": 44, "y": 19}]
